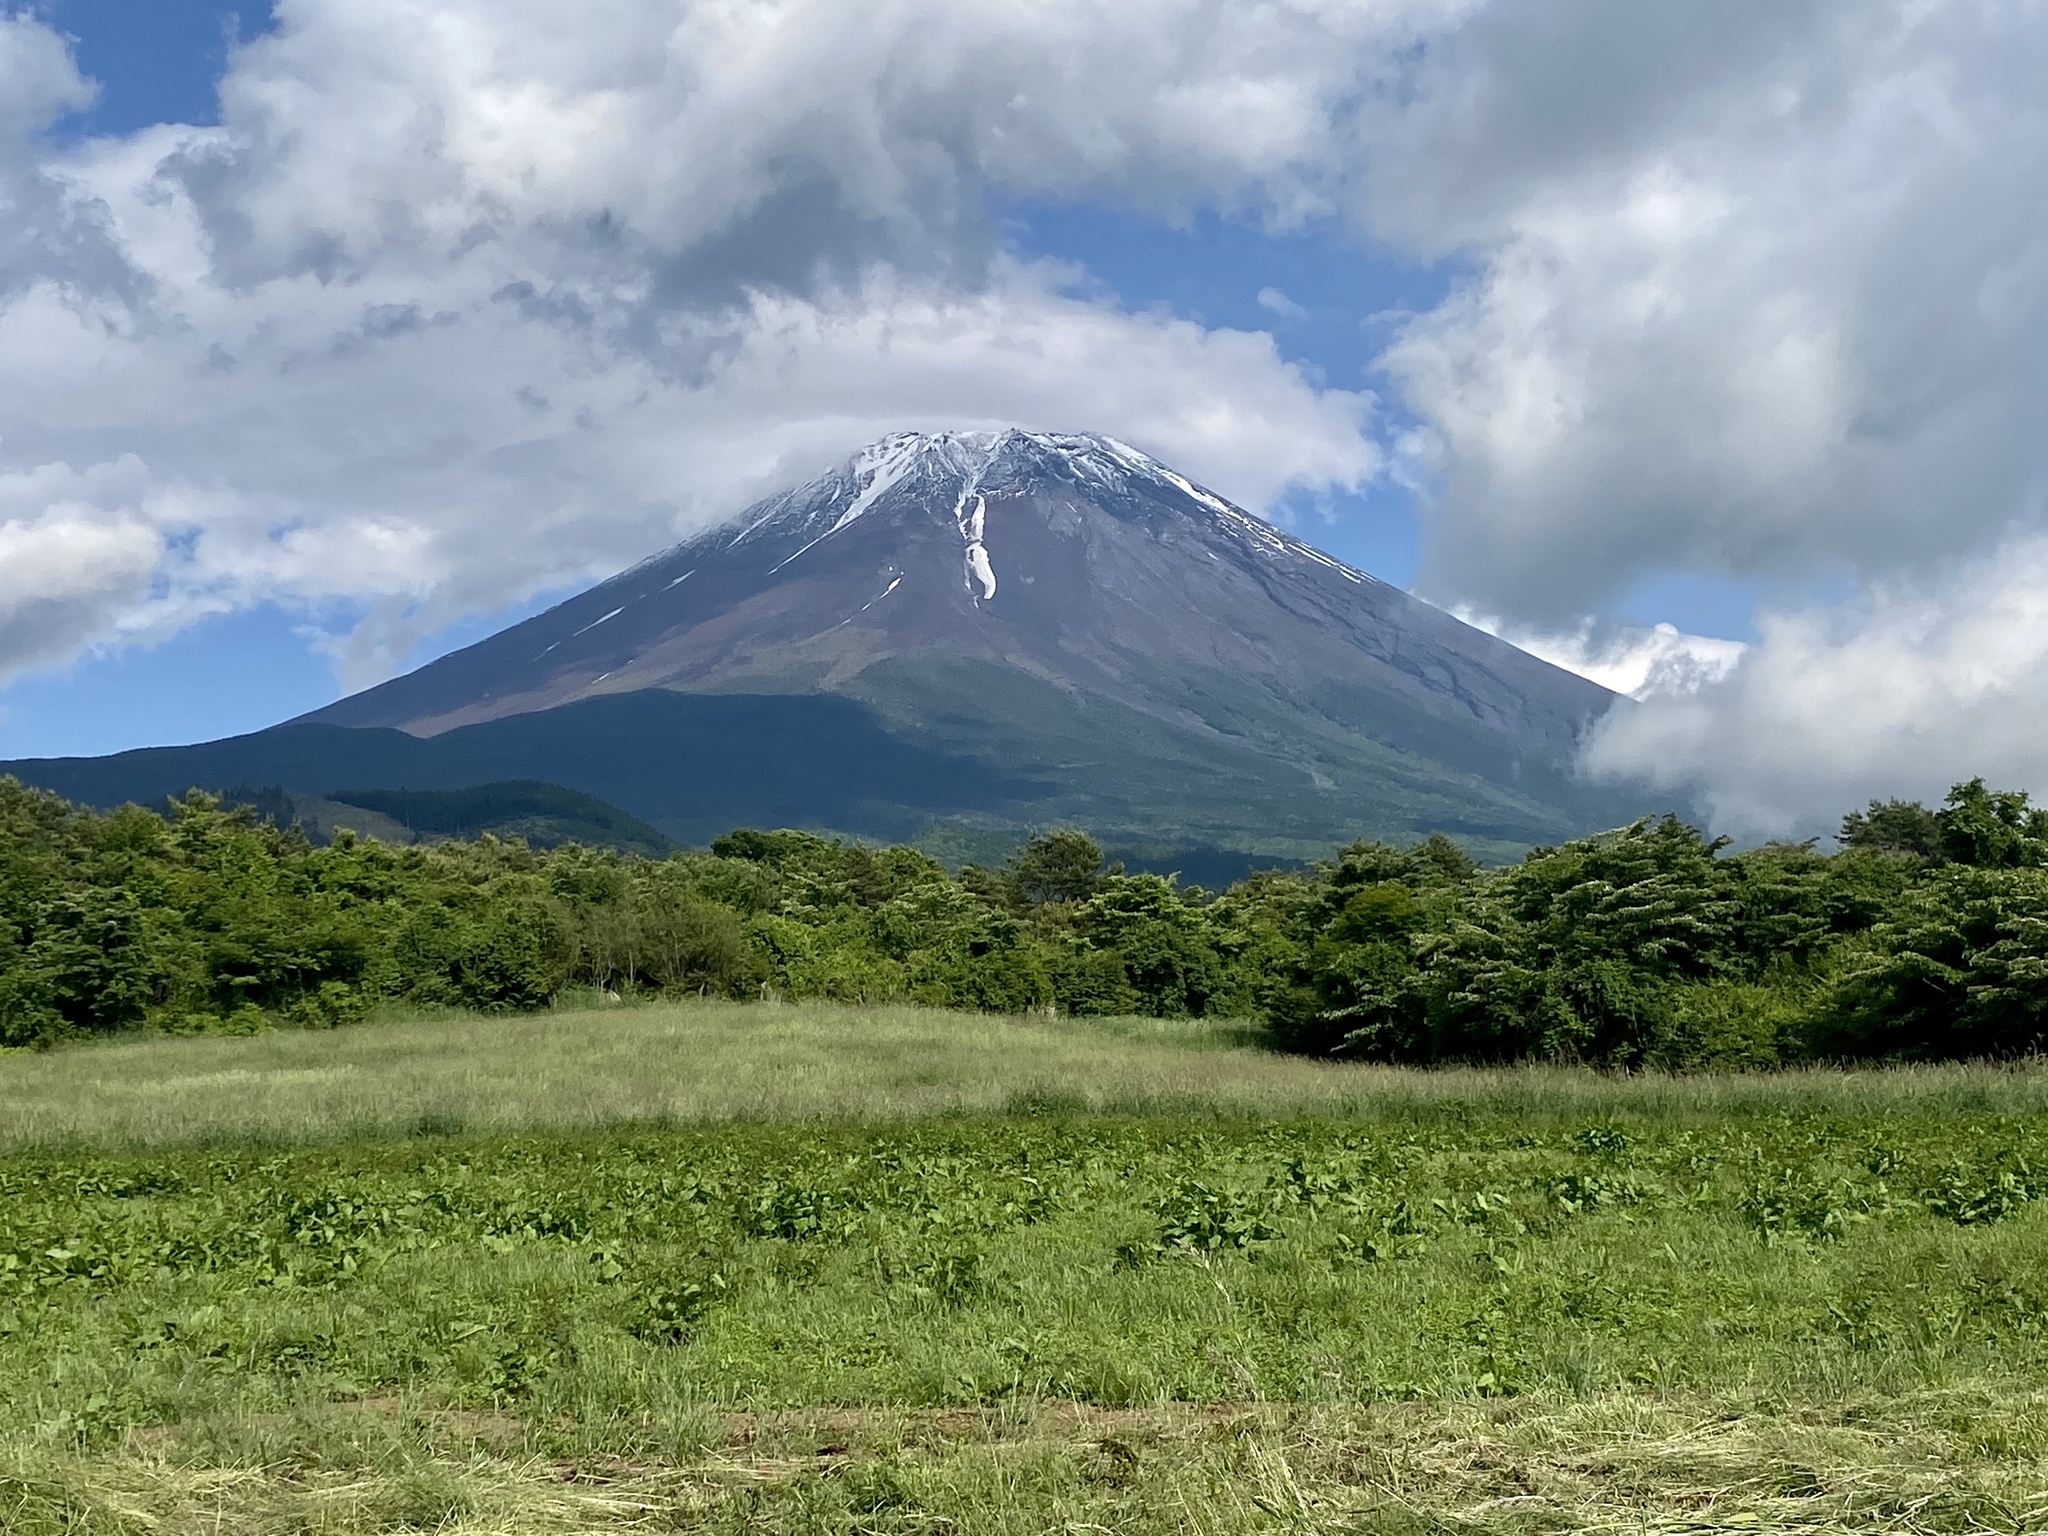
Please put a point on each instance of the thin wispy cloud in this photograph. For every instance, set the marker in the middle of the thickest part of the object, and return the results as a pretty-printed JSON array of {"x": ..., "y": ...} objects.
[{"x": 1276, "y": 301}]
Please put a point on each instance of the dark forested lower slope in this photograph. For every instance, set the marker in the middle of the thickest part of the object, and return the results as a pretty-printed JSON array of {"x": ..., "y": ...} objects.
[
  {"x": 958, "y": 638},
  {"x": 543, "y": 815},
  {"x": 1650, "y": 944}
]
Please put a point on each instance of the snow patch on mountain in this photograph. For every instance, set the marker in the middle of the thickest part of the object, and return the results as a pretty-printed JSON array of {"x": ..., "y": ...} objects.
[
  {"x": 894, "y": 583},
  {"x": 884, "y": 463},
  {"x": 972, "y": 529}
]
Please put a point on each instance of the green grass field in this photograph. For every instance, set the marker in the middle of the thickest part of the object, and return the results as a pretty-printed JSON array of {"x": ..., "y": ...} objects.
[{"x": 808, "y": 1269}]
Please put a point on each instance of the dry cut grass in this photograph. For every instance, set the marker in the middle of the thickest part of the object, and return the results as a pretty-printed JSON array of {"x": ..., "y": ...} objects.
[
  {"x": 707, "y": 1062},
  {"x": 1961, "y": 1462}
]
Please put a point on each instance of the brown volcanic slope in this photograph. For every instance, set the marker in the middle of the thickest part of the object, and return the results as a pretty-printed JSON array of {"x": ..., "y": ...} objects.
[{"x": 1122, "y": 647}]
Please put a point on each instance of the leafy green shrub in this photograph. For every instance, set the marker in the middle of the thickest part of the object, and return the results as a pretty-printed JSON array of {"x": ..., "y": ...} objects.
[
  {"x": 245, "y": 1020},
  {"x": 692, "y": 945},
  {"x": 1989, "y": 1190},
  {"x": 495, "y": 957},
  {"x": 1798, "y": 1201},
  {"x": 1087, "y": 981},
  {"x": 1169, "y": 955},
  {"x": 1728, "y": 1025},
  {"x": 328, "y": 1006},
  {"x": 1652, "y": 945},
  {"x": 27, "y": 1012}
]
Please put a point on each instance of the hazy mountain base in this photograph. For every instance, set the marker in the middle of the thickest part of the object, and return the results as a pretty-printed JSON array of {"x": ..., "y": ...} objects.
[
  {"x": 543, "y": 815},
  {"x": 540, "y": 815},
  {"x": 672, "y": 759},
  {"x": 964, "y": 755},
  {"x": 1505, "y": 1302},
  {"x": 1237, "y": 768}
]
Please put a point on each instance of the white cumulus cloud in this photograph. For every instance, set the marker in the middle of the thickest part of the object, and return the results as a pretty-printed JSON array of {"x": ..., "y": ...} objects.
[
  {"x": 1755, "y": 289},
  {"x": 1909, "y": 689},
  {"x": 468, "y": 299},
  {"x": 76, "y": 559},
  {"x": 465, "y": 301},
  {"x": 38, "y": 79},
  {"x": 1642, "y": 661}
]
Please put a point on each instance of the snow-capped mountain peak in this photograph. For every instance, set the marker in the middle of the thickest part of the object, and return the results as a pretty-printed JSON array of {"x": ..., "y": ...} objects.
[
  {"x": 1157, "y": 655},
  {"x": 970, "y": 475}
]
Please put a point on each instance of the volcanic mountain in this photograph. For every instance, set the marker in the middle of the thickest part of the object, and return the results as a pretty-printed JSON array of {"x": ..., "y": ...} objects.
[{"x": 961, "y": 636}]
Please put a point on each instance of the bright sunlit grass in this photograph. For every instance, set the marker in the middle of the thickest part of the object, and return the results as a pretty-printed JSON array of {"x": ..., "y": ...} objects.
[{"x": 695, "y": 1062}]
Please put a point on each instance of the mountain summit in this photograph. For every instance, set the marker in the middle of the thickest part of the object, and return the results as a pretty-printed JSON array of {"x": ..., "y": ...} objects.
[
  {"x": 963, "y": 635},
  {"x": 1074, "y": 558}
]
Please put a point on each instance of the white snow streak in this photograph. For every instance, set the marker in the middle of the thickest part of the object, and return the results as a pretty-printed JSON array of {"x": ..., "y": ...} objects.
[
  {"x": 864, "y": 607},
  {"x": 884, "y": 463},
  {"x": 595, "y": 622},
  {"x": 979, "y": 568},
  {"x": 972, "y": 526},
  {"x": 1214, "y": 503},
  {"x": 890, "y": 465}
]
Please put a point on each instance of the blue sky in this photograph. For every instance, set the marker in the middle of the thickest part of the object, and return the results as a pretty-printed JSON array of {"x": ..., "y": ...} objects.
[{"x": 157, "y": 61}]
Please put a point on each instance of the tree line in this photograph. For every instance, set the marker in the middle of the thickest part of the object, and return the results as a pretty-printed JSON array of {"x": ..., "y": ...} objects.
[{"x": 1923, "y": 935}]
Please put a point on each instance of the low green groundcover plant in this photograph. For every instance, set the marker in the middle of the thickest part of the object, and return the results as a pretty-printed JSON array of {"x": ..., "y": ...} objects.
[
  {"x": 1923, "y": 936},
  {"x": 1454, "y": 1318},
  {"x": 1113, "y": 1260}
]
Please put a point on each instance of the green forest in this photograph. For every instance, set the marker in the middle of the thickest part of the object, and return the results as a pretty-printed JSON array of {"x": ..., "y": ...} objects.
[{"x": 1924, "y": 935}]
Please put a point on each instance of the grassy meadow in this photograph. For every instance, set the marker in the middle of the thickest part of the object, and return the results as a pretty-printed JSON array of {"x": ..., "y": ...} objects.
[
  {"x": 706, "y": 1062},
  {"x": 804, "y": 1268}
]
